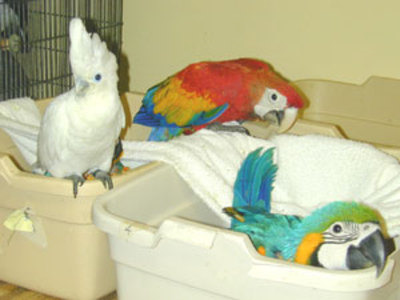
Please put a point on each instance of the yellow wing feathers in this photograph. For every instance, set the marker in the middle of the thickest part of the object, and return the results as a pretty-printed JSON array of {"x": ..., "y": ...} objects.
[{"x": 178, "y": 105}]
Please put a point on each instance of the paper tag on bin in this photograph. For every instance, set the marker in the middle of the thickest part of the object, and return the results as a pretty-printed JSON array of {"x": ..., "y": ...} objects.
[
  {"x": 19, "y": 220},
  {"x": 27, "y": 224}
]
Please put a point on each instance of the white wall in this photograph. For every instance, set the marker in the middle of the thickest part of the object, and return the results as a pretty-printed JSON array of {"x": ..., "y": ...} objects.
[{"x": 344, "y": 40}]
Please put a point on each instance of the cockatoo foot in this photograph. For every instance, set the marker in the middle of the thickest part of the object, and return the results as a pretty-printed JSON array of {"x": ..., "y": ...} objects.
[
  {"x": 76, "y": 179},
  {"x": 230, "y": 128},
  {"x": 105, "y": 178}
]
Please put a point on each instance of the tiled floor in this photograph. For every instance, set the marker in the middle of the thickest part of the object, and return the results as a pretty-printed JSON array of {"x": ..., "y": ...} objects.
[{"x": 9, "y": 291}]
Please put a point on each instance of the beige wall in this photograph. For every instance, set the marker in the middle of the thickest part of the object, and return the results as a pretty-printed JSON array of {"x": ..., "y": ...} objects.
[{"x": 344, "y": 40}]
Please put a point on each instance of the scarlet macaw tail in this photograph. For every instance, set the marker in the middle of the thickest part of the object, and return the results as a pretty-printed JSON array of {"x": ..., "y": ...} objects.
[{"x": 254, "y": 182}]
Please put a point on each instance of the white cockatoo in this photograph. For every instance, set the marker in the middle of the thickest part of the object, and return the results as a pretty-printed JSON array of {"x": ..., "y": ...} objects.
[{"x": 80, "y": 128}]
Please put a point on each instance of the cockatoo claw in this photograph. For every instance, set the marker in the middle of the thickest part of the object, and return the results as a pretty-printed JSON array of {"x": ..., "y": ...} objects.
[
  {"x": 230, "y": 128},
  {"x": 76, "y": 179},
  {"x": 105, "y": 178}
]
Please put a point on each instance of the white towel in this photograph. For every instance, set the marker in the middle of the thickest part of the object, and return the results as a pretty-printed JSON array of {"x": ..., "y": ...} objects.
[
  {"x": 20, "y": 118},
  {"x": 312, "y": 170},
  {"x": 207, "y": 161}
]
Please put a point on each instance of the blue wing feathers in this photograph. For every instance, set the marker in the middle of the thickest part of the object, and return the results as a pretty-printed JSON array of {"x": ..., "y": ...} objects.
[
  {"x": 272, "y": 231},
  {"x": 241, "y": 198},
  {"x": 254, "y": 182},
  {"x": 159, "y": 134},
  {"x": 205, "y": 117},
  {"x": 144, "y": 118},
  {"x": 252, "y": 202},
  {"x": 145, "y": 115},
  {"x": 268, "y": 172},
  {"x": 262, "y": 189}
]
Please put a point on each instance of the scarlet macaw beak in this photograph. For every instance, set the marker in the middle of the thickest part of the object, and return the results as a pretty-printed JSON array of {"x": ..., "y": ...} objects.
[
  {"x": 284, "y": 119},
  {"x": 288, "y": 119},
  {"x": 274, "y": 117}
]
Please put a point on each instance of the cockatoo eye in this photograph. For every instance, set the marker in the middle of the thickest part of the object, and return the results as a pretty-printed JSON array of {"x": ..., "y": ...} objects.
[{"x": 97, "y": 77}]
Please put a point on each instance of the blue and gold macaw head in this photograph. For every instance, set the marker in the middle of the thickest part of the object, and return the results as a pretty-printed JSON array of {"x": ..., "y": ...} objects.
[{"x": 342, "y": 235}]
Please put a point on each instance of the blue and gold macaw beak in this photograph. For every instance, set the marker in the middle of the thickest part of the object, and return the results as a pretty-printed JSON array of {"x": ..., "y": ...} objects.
[{"x": 371, "y": 252}]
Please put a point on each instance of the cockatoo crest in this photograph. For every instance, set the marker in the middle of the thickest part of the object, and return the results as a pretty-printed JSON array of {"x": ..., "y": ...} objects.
[{"x": 89, "y": 56}]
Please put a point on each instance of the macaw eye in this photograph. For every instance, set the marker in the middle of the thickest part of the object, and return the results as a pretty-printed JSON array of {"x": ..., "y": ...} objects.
[
  {"x": 274, "y": 97},
  {"x": 337, "y": 228},
  {"x": 97, "y": 77}
]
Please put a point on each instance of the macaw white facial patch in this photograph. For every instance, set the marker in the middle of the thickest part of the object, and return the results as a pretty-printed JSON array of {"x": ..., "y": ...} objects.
[{"x": 271, "y": 100}]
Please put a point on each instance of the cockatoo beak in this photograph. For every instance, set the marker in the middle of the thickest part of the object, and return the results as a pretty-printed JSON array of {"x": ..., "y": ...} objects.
[
  {"x": 370, "y": 252},
  {"x": 81, "y": 86}
]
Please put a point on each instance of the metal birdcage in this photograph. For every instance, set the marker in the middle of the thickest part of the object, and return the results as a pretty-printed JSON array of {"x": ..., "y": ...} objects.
[{"x": 34, "y": 42}]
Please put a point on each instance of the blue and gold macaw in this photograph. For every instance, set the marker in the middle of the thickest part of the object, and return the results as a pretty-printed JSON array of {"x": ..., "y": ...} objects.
[{"x": 340, "y": 235}]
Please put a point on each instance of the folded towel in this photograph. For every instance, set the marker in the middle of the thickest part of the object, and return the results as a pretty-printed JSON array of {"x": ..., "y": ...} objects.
[{"x": 312, "y": 170}]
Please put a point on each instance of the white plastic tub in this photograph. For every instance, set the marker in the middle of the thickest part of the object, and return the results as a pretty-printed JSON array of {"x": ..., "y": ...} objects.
[
  {"x": 167, "y": 245},
  {"x": 369, "y": 112},
  {"x": 68, "y": 257}
]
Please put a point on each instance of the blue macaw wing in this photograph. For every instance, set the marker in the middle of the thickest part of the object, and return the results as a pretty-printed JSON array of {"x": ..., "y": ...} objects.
[
  {"x": 274, "y": 232},
  {"x": 254, "y": 182}
]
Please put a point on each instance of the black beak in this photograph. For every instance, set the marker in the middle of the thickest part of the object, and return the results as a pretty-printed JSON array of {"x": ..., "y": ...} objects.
[
  {"x": 274, "y": 116},
  {"x": 371, "y": 252}
]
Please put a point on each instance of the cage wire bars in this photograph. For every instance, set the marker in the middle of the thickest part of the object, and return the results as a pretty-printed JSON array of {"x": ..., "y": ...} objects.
[{"x": 34, "y": 42}]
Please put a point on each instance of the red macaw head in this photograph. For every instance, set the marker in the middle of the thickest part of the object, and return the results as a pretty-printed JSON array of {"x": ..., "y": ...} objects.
[{"x": 278, "y": 101}]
